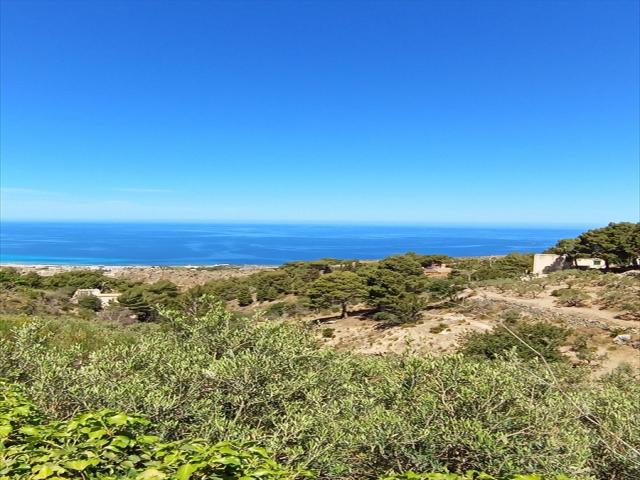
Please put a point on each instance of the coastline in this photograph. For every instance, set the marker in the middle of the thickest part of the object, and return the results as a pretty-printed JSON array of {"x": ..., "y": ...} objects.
[{"x": 182, "y": 275}]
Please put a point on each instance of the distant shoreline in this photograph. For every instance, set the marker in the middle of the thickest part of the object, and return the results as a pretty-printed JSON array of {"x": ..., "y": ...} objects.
[
  {"x": 96, "y": 266},
  {"x": 213, "y": 266},
  {"x": 183, "y": 276}
]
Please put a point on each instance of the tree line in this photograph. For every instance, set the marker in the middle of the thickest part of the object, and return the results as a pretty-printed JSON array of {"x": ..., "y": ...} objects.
[{"x": 616, "y": 244}]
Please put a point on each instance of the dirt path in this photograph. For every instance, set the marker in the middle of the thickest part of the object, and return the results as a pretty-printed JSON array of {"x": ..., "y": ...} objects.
[{"x": 548, "y": 303}]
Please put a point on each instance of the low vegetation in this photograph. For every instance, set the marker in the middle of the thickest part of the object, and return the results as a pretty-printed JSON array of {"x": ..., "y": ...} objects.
[
  {"x": 108, "y": 444},
  {"x": 527, "y": 340},
  {"x": 577, "y": 288},
  {"x": 338, "y": 415},
  {"x": 233, "y": 378},
  {"x": 114, "y": 445}
]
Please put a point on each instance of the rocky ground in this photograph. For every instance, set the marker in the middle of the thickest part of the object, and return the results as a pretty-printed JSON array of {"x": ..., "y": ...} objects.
[{"x": 615, "y": 341}]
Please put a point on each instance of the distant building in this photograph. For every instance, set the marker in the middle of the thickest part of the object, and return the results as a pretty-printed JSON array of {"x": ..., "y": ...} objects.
[
  {"x": 105, "y": 298},
  {"x": 590, "y": 263},
  {"x": 549, "y": 262},
  {"x": 437, "y": 271}
]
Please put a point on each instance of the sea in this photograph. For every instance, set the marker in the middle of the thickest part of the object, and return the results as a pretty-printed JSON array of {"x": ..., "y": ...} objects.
[{"x": 76, "y": 243}]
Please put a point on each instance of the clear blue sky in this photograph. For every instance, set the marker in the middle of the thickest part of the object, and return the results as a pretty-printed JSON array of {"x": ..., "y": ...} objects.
[{"x": 446, "y": 112}]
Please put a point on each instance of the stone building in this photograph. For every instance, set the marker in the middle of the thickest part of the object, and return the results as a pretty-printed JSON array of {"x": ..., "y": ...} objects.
[
  {"x": 544, "y": 263},
  {"x": 105, "y": 298}
]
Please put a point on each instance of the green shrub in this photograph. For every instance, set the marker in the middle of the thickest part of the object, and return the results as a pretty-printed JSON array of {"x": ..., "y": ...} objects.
[
  {"x": 582, "y": 349},
  {"x": 571, "y": 297},
  {"x": 345, "y": 416},
  {"x": 528, "y": 340},
  {"x": 90, "y": 302},
  {"x": 107, "y": 444},
  {"x": 468, "y": 476},
  {"x": 328, "y": 332},
  {"x": 441, "y": 327},
  {"x": 244, "y": 296},
  {"x": 110, "y": 444},
  {"x": 83, "y": 336},
  {"x": 514, "y": 265}
]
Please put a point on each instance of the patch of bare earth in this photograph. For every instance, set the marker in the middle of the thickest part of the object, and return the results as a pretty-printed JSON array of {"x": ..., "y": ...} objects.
[
  {"x": 440, "y": 331},
  {"x": 433, "y": 333}
]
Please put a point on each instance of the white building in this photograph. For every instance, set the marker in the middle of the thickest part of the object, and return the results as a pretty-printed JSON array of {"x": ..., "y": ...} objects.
[
  {"x": 549, "y": 262},
  {"x": 105, "y": 298}
]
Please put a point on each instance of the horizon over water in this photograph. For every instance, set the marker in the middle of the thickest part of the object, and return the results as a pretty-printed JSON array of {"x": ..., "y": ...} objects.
[{"x": 173, "y": 243}]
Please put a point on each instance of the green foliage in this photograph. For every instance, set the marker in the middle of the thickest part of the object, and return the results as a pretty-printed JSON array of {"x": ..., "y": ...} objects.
[
  {"x": 440, "y": 327},
  {"x": 244, "y": 295},
  {"x": 386, "y": 286},
  {"x": 567, "y": 246},
  {"x": 301, "y": 274},
  {"x": 617, "y": 243},
  {"x": 471, "y": 475},
  {"x": 79, "y": 279},
  {"x": 111, "y": 444},
  {"x": 9, "y": 277},
  {"x": 162, "y": 292},
  {"x": 528, "y": 340},
  {"x": 280, "y": 310},
  {"x": 404, "y": 309},
  {"x": 328, "y": 332},
  {"x": 221, "y": 288},
  {"x": 530, "y": 288},
  {"x": 444, "y": 289},
  {"x": 571, "y": 297},
  {"x": 66, "y": 333},
  {"x": 408, "y": 265},
  {"x": 107, "y": 444},
  {"x": 514, "y": 265},
  {"x": 429, "y": 261},
  {"x": 582, "y": 349},
  {"x": 341, "y": 288},
  {"x": 136, "y": 301},
  {"x": 346, "y": 416},
  {"x": 271, "y": 285},
  {"x": 90, "y": 302},
  {"x": 621, "y": 297}
]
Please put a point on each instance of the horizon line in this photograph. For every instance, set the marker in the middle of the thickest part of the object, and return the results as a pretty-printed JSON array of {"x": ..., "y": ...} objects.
[{"x": 319, "y": 222}]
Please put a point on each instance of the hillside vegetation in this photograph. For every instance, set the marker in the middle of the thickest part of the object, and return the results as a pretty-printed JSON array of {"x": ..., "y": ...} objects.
[
  {"x": 237, "y": 378},
  {"x": 338, "y": 414}
]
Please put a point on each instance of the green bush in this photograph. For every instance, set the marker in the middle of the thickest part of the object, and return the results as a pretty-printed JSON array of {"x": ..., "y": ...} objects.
[
  {"x": 528, "y": 340},
  {"x": 571, "y": 297},
  {"x": 328, "y": 332},
  {"x": 468, "y": 476},
  {"x": 83, "y": 336},
  {"x": 109, "y": 444},
  {"x": 106, "y": 444},
  {"x": 244, "y": 296},
  {"x": 90, "y": 302},
  {"x": 344, "y": 416},
  {"x": 514, "y": 265},
  {"x": 441, "y": 327}
]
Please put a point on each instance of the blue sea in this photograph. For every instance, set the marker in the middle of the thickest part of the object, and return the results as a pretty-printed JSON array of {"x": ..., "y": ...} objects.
[{"x": 210, "y": 244}]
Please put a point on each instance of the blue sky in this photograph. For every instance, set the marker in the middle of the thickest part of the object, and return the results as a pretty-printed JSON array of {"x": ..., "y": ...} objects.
[{"x": 346, "y": 111}]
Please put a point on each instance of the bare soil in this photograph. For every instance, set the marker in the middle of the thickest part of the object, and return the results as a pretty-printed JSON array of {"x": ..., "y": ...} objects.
[{"x": 440, "y": 331}]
